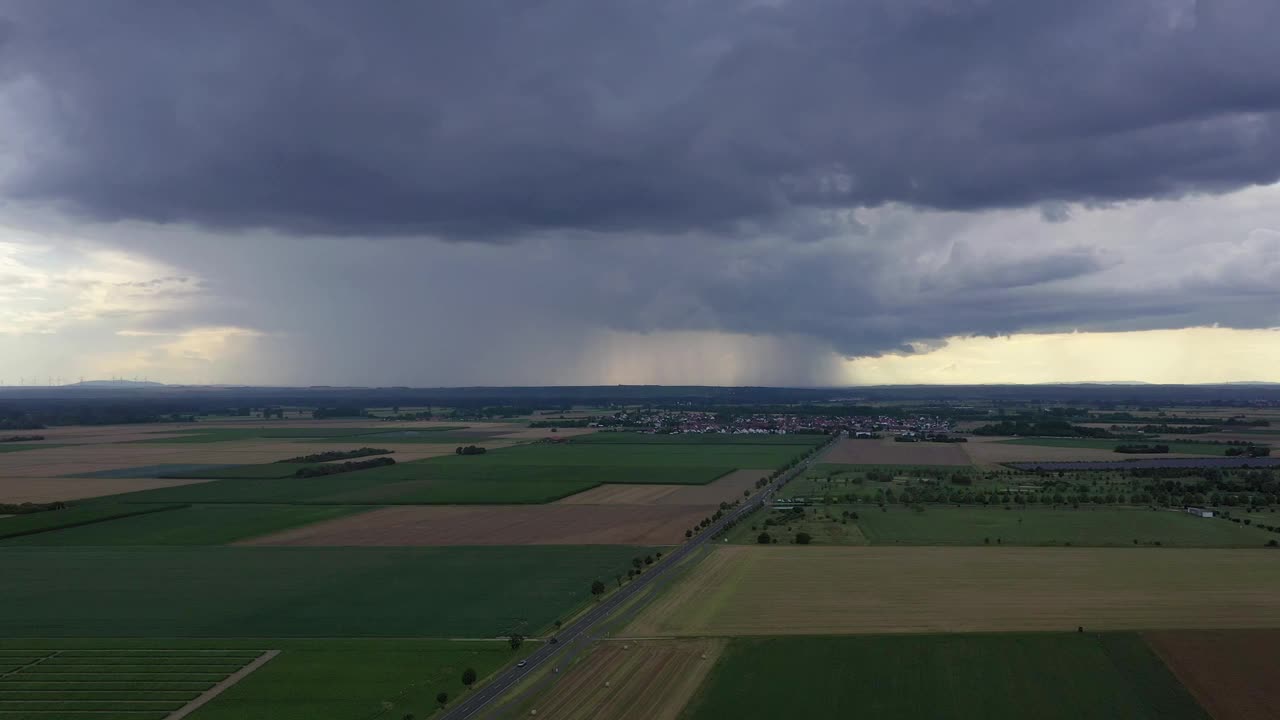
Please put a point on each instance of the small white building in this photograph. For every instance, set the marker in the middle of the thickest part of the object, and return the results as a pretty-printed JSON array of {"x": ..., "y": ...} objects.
[{"x": 1199, "y": 512}]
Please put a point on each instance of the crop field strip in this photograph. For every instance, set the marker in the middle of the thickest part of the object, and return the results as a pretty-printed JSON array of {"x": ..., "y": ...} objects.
[
  {"x": 792, "y": 590},
  {"x": 133, "y": 684},
  {"x": 949, "y": 677},
  {"x": 227, "y": 592}
]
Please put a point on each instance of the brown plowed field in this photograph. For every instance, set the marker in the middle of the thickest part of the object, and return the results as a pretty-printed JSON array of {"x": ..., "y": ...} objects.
[
  {"x": 888, "y": 452},
  {"x": 42, "y": 489},
  {"x": 632, "y": 680},
  {"x": 1234, "y": 673},
  {"x": 500, "y": 525},
  {"x": 726, "y": 489},
  {"x": 747, "y": 590}
]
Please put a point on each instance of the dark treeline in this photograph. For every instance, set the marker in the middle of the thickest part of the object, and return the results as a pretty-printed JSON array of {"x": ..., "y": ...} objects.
[
  {"x": 337, "y": 455},
  {"x": 336, "y": 468},
  {"x": 1043, "y": 428},
  {"x": 21, "y": 438}
]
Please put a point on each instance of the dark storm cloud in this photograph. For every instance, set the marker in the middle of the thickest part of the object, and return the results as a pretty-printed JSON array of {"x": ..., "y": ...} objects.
[{"x": 486, "y": 119}]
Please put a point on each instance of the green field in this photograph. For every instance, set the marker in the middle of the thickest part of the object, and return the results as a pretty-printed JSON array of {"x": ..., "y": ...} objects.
[
  {"x": 404, "y": 483},
  {"x": 1084, "y": 527},
  {"x": 311, "y": 679},
  {"x": 40, "y": 522},
  {"x": 118, "y": 684},
  {"x": 633, "y": 438},
  {"x": 1099, "y": 444},
  {"x": 265, "y": 471},
  {"x": 995, "y": 677},
  {"x": 166, "y": 592},
  {"x": 19, "y": 447},
  {"x": 225, "y": 434},
  {"x": 725, "y": 456},
  {"x": 194, "y": 525}
]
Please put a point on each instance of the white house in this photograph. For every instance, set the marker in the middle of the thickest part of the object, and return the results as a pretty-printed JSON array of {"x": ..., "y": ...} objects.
[{"x": 1200, "y": 512}]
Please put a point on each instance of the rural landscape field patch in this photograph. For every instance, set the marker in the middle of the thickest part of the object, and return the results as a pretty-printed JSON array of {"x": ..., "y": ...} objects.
[
  {"x": 1087, "y": 526},
  {"x": 997, "y": 677},
  {"x": 114, "y": 684},
  {"x": 501, "y": 525},
  {"x": 629, "y": 680},
  {"x": 887, "y": 452},
  {"x": 1231, "y": 672},
  {"x": 292, "y": 592},
  {"x": 744, "y": 590}
]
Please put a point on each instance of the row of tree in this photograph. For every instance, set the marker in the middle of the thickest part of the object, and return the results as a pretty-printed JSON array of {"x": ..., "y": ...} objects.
[
  {"x": 332, "y": 455},
  {"x": 346, "y": 467}
]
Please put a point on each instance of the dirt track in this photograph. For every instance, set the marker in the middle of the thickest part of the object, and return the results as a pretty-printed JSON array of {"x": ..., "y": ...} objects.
[
  {"x": 1232, "y": 673},
  {"x": 500, "y": 525},
  {"x": 888, "y": 452},
  {"x": 748, "y": 590},
  {"x": 726, "y": 489},
  {"x": 635, "y": 680}
]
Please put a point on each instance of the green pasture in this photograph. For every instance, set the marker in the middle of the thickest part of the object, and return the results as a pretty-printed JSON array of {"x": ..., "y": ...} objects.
[
  {"x": 166, "y": 592},
  {"x": 74, "y": 516},
  {"x": 193, "y": 525},
  {"x": 943, "y": 677},
  {"x": 1087, "y": 526}
]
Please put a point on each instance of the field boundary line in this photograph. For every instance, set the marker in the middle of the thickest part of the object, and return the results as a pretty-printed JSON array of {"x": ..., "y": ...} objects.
[
  {"x": 223, "y": 686},
  {"x": 31, "y": 664}
]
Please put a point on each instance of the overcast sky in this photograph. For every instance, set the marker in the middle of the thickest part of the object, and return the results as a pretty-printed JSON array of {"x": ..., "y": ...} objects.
[{"x": 588, "y": 191}]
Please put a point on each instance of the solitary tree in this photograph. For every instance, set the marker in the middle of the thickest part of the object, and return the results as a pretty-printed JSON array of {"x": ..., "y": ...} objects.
[
  {"x": 469, "y": 677},
  {"x": 764, "y": 538},
  {"x": 516, "y": 640},
  {"x": 688, "y": 533},
  {"x": 442, "y": 698},
  {"x": 803, "y": 538},
  {"x": 648, "y": 559},
  {"x": 597, "y": 588},
  {"x": 558, "y": 624}
]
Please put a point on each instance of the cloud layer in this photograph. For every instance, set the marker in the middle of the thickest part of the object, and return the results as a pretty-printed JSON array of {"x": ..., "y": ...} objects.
[
  {"x": 492, "y": 119},
  {"x": 576, "y": 191}
]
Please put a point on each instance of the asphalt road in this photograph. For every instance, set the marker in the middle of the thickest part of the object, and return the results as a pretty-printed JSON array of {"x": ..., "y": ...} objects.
[{"x": 579, "y": 630}]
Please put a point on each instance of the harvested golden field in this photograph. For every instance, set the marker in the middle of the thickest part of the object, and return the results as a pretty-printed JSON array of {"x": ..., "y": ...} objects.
[
  {"x": 989, "y": 451},
  {"x": 746, "y": 590},
  {"x": 500, "y": 525},
  {"x": 630, "y": 680},
  {"x": 725, "y": 489},
  {"x": 887, "y": 452},
  {"x": 1232, "y": 673},
  {"x": 49, "y": 489}
]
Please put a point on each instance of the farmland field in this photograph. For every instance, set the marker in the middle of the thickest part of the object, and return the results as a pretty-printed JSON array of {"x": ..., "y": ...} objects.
[
  {"x": 41, "y": 522},
  {"x": 311, "y": 592},
  {"x": 501, "y": 525},
  {"x": 20, "y": 489},
  {"x": 1184, "y": 448},
  {"x": 1010, "y": 677},
  {"x": 266, "y": 471},
  {"x": 635, "y": 680},
  {"x": 114, "y": 684},
  {"x": 620, "y": 438},
  {"x": 19, "y": 447},
  {"x": 226, "y": 434},
  {"x": 726, "y": 489},
  {"x": 1231, "y": 672},
  {"x": 723, "y": 456},
  {"x": 784, "y": 590},
  {"x": 1086, "y": 527},
  {"x": 311, "y": 679},
  {"x": 887, "y": 452},
  {"x": 193, "y": 525}
]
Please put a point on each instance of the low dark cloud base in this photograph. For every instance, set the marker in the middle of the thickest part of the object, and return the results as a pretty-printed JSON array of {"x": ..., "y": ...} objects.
[{"x": 491, "y": 120}]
